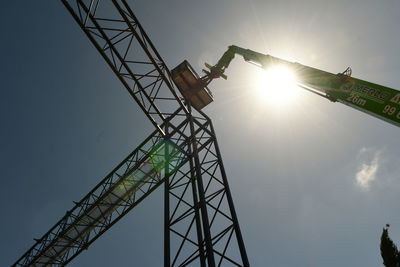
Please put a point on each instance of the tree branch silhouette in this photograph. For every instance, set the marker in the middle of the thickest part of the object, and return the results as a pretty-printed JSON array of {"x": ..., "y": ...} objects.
[{"x": 389, "y": 251}]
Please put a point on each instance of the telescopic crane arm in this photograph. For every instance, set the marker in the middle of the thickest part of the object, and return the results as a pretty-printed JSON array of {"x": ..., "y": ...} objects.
[{"x": 377, "y": 100}]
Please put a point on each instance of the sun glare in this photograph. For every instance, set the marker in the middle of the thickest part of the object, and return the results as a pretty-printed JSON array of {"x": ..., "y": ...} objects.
[{"x": 277, "y": 86}]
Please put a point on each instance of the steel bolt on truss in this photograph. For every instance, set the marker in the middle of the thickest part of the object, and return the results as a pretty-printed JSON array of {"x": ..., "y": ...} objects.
[{"x": 200, "y": 223}]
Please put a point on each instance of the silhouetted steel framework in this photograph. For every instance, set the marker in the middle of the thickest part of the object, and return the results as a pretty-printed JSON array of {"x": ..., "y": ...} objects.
[{"x": 201, "y": 227}]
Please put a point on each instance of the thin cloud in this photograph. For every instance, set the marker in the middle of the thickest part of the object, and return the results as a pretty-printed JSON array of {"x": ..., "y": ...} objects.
[{"x": 367, "y": 171}]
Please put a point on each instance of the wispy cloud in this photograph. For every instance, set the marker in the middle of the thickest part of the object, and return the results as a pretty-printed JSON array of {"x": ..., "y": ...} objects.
[{"x": 368, "y": 167}]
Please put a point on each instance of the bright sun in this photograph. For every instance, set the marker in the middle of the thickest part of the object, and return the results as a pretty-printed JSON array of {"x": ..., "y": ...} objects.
[{"x": 277, "y": 86}]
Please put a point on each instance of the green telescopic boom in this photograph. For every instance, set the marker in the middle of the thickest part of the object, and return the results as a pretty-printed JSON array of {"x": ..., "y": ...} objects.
[{"x": 377, "y": 100}]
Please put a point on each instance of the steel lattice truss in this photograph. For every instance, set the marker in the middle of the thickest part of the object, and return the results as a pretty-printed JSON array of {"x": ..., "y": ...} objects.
[
  {"x": 120, "y": 39},
  {"x": 201, "y": 227}
]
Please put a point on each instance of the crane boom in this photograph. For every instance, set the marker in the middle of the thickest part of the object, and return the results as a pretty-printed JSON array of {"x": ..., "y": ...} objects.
[
  {"x": 201, "y": 227},
  {"x": 119, "y": 192},
  {"x": 377, "y": 100}
]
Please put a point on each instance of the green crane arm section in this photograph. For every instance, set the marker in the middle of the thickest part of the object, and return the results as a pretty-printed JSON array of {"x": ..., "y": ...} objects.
[{"x": 377, "y": 100}]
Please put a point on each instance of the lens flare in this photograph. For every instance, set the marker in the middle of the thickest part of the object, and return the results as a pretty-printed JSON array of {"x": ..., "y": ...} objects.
[{"x": 165, "y": 154}]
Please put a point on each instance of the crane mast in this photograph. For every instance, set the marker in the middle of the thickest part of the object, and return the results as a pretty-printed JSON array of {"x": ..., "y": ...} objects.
[
  {"x": 200, "y": 223},
  {"x": 374, "y": 99}
]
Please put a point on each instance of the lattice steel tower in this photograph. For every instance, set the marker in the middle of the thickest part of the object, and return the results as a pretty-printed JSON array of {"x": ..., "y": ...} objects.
[{"x": 200, "y": 224}]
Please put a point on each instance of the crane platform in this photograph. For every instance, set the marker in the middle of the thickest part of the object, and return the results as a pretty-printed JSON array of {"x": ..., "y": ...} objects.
[{"x": 191, "y": 86}]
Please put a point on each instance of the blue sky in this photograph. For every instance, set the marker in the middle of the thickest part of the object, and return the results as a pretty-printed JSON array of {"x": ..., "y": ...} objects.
[{"x": 313, "y": 183}]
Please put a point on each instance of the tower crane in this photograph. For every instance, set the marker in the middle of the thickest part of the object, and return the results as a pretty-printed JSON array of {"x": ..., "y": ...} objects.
[
  {"x": 182, "y": 154},
  {"x": 201, "y": 227}
]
